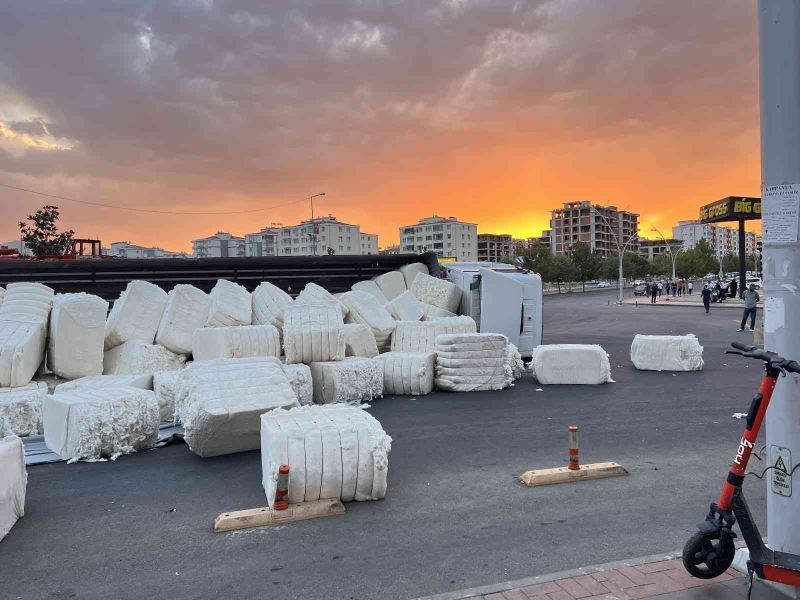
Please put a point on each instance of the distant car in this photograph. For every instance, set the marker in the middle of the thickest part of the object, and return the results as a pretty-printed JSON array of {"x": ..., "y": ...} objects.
[
  {"x": 603, "y": 284},
  {"x": 754, "y": 281},
  {"x": 638, "y": 282},
  {"x": 639, "y": 290}
]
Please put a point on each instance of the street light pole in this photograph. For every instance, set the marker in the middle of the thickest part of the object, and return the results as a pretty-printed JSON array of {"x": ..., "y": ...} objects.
[
  {"x": 314, "y": 235},
  {"x": 673, "y": 256},
  {"x": 620, "y": 251}
]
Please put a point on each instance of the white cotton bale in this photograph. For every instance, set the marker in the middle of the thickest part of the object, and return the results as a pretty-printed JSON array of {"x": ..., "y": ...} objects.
[
  {"x": 410, "y": 271},
  {"x": 408, "y": 373},
  {"x": 365, "y": 309},
  {"x": 316, "y": 294},
  {"x": 667, "y": 353},
  {"x": 313, "y": 332},
  {"x": 22, "y": 349},
  {"x": 186, "y": 311},
  {"x": 431, "y": 312},
  {"x": 236, "y": 342},
  {"x": 164, "y": 387},
  {"x": 142, "y": 381},
  {"x": 136, "y": 314},
  {"x": 2, "y": 295},
  {"x": 585, "y": 364},
  {"x": 77, "y": 332},
  {"x": 88, "y": 424},
  {"x": 138, "y": 357},
  {"x": 513, "y": 360},
  {"x": 454, "y": 325},
  {"x": 371, "y": 288},
  {"x": 333, "y": 451},
  {"x": 405, "y": 307},
  {"x": 269, "y": 302},
  {"x": 299, "y": 376},
  {"x": 13, "y": 482},
  {"x": 354, "y": 380},
  {"x": 221, "y": 401},
  {"x": 27, "y": 300},
  {"x": 438, "y": 292},
  {"x": 414, "y": 336},
  {"x": 468, "y": 362},
  {"x": 21, "y": 408},
  {"x": 392, "y": 284},
  {"x": 359, "y": 341},
  {"x": 231, "y": 305}
]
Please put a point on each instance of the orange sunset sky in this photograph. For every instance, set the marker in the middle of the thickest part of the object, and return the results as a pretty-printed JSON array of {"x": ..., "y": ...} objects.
[{"x": 493, "y": 112}]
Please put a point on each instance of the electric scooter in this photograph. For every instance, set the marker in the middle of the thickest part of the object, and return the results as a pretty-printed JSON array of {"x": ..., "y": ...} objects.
[{"x": 710, "y": 551}]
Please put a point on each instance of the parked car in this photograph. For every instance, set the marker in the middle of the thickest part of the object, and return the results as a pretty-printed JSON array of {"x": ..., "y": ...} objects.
[
  {"x": 640, "y": 290},
  {"x": 754, "y": 281},
  {"x": 603, "y": 284}
]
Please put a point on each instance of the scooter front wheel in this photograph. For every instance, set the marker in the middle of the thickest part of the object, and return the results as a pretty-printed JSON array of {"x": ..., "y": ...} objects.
[{"x": 706, "y": 556}]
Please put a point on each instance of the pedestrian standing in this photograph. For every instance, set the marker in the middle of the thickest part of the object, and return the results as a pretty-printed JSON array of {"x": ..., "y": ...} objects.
[
  {"x": 706, "y": 295},
  {"x": 734, "y": 288},
  {"x": 659, "y": 288},
  {"x": 689, "y": 286},
  {"x": 751, "y": 299},
  {"x": 674, "y": 288},
  {"x": 653, "y": 292}
]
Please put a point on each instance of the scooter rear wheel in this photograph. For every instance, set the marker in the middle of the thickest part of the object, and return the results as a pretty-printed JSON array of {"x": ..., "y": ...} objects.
[{"x": 706, "y": 556}]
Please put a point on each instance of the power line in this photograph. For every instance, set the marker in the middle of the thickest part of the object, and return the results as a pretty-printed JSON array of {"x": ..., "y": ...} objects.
[{"x": 147, "y": 210}]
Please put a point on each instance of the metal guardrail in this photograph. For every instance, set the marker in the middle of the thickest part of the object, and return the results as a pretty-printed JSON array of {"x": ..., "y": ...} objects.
[{"x": 107, "y": 278}]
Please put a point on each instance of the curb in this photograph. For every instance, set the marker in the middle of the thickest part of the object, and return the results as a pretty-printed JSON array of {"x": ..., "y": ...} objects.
[{"x": 505, "y": 586}]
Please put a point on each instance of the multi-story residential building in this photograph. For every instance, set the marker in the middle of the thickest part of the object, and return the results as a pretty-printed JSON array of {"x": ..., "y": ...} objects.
[
  {"x": 446, "y": 236},
  {"x": 221, "y": 244},
  {"x": 494, "y": 247},
  {"x": 393, "y": 249},
  {"x": 649, "y": 249},
  {"x": 128, "y": 250},
  {"x": 321, "y": 235},
  {"x": 263, "y": 243},
  {"x": 602, "y": 227},
  {"x": 369, "y": 243},
  {"x": 723, "y": 240}
]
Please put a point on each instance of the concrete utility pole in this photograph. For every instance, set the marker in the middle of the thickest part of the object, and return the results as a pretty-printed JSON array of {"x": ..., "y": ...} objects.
[
  {"x": 779, "y": 59},
  {"x": 622, "y": 247}
]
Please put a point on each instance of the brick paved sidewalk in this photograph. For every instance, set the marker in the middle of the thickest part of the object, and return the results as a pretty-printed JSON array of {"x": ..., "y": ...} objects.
[{"x": 663, "y": 579}]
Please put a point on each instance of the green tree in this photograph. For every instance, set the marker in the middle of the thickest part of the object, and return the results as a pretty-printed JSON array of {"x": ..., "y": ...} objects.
[
  {"x": 560, "y": 269},
  {"x": 633, "y": 266},
  {"x": 661, "y": 265},
  {"x": 41, "y": 235},
  {"x": 698, "y": 261},
  {"x": 588, "y": 265},
  {"x": 536, "y": 258},
  {"x": 730, "y": 263}
]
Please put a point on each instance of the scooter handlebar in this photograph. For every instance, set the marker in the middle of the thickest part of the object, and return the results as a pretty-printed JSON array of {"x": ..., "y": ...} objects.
[
  {"x": 774, "y": 359},
  {"x": 743, "y": 347}
]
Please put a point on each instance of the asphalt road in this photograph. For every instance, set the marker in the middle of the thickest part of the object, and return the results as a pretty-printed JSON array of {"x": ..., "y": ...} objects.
[{"x": 454, "y": 516}]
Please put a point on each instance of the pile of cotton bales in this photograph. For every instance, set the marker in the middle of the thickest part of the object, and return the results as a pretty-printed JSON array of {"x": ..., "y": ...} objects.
[
  {"x": 333, "y": 451},
  {"x": 24, "y": 318}
]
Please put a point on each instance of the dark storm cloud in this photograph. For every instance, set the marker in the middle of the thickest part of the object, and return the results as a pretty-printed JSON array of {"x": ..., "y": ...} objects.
[{"x": 196, "y": 93}]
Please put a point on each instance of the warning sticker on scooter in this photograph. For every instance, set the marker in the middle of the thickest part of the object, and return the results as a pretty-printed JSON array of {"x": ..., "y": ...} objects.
[{"x": 781, "y": 462}]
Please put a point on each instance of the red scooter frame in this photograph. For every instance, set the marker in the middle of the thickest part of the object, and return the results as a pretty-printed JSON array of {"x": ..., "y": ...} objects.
[{"x": 710, "y": 551}]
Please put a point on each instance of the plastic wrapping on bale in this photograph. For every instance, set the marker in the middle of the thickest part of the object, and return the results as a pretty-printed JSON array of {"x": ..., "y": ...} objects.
[
  {"x": 371, "y": 288},
  {"x": 21, "y": 408},
  {"x": 316, "y": 294},
  {"x": 28, "y": 301},
  {"x": 221, "y": 401},
  {"x": 392, "y": 284},
  {"x": 359, "y": 341},
  {"x": 142, "y": 381},
  {"x": 313, "y": 332},
  {"x": 22, "y": 349},
  {"x": 365, "y": 309},
  {"x": 405, "y": 307},
  {"x": 438, "y": 292},
  {"x": 138, "y": 357},
  {"x": 136, "y": 314},
  {"x": 333, "y": 451},
  {"x": 408, "y": 373},
  {"x": 571, "y": 364},
  {"x": 236, "y": 342},
  {"x": 410, "y": 271},
  {"x": 186, "y": 311},
  {"x": 13, "y": 481},
  {"x": 353, "y": 380},
  {"x": 269, "y": 302},
  {"x": 77, "y": 331},
  {"x": 231, "y": 305},
  {"x": 667, "y": 353},
  {"x": 472, "y": 361},
  {"x": 299, "y": 376},
  {"x": 89, "y": 424}
]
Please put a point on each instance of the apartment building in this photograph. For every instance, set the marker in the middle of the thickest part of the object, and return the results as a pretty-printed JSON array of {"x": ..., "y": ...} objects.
[
  {"x": 220, "y": 245},
  {"x": 493, "y": 247},
  {"x": 602, "y": 227},
  {"x": 263, "y": 243},
  {"x": 723, "y": 240},
  {"x": 446, "y": 236},
  {"x": 321, "y": 235},
  {"x": 369, "y": 243},
  {"x": 128, "y": 250},
  {"x": 649, "y": 249},
  {"x": 393, "y": 249}
]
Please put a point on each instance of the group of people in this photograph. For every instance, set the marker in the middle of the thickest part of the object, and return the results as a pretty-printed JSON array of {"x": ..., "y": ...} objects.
[
  {"x": 750, "y": 296},
  {"x": 679, "y": 287}
]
